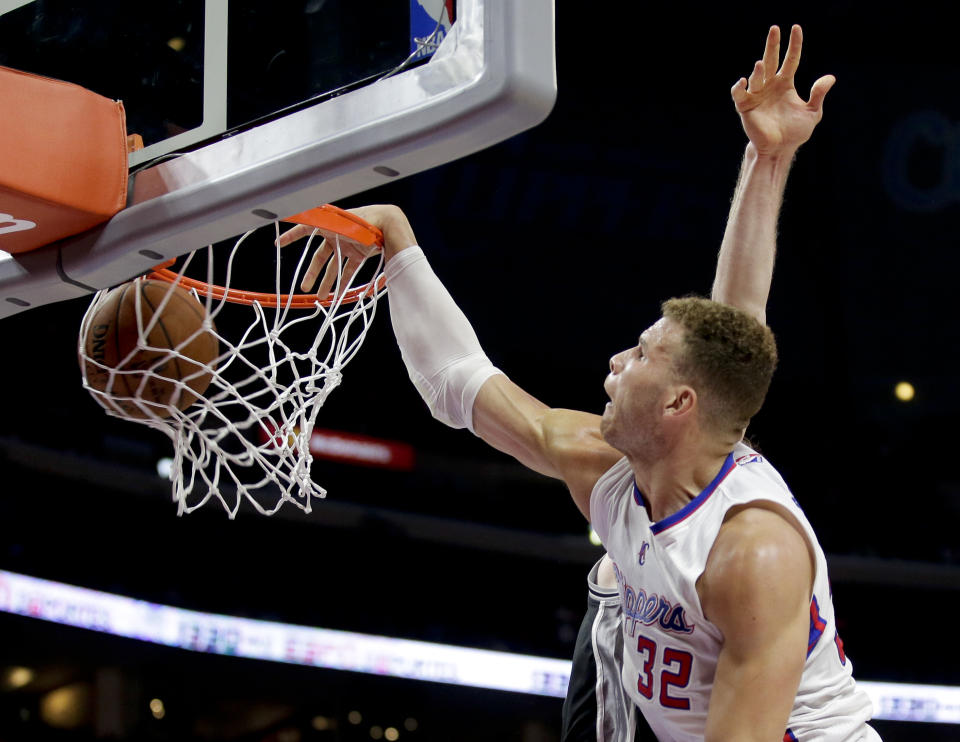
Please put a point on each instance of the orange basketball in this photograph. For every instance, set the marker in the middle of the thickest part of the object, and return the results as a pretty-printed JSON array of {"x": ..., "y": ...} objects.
[{"x": 176, "y": 348}]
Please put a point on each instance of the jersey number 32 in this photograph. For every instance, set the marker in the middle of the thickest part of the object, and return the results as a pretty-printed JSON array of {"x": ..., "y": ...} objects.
[{"x": 676, "y": 672}]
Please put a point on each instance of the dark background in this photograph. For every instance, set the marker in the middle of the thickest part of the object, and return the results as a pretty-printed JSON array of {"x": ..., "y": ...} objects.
[{"x": 559, "y": 245}]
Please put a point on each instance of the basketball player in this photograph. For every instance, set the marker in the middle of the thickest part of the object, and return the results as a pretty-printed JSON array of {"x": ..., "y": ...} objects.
[
  {"x": 595, "y": 708},
  {"x": 727, "y": 621}
]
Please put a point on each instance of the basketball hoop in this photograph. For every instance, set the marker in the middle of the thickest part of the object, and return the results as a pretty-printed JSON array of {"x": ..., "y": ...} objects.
[{"x": 247, "y": 436}]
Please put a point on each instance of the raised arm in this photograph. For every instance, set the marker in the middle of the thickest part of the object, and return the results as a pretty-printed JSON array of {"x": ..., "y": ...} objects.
[
  {"x": 777, "y": 121},
  {"x": 758, "y": 579}
]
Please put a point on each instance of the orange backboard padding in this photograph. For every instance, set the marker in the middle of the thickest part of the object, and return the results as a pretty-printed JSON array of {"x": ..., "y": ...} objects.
[{"x": 63, "y": 160}]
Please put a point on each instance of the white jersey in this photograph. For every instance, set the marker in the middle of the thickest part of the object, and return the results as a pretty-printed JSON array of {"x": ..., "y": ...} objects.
[{"x": 670, "y": 649}]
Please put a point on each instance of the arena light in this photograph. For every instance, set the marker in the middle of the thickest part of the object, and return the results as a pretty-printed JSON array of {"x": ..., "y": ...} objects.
[
  {"x": 17, "y": 677},
  {"x": 904, "y": 391},
  {"x": 164, "y": 467},
  {"x": 379, "y": 655}
]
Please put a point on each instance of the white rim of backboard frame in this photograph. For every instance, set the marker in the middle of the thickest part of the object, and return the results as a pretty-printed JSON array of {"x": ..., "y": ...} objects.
[
  {"x": 214, "y": 118},
  {"x": 492, "y": 77}
]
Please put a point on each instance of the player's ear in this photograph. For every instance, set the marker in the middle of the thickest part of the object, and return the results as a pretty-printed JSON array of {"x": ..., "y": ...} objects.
[{"x": 682, "y": 401}]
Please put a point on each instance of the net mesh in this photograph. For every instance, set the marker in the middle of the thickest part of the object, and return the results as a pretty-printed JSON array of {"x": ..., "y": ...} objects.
[{"x": 246, "y": 438}]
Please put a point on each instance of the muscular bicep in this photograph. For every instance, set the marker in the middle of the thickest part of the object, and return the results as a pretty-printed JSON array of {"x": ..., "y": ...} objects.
[
  {"x": 563, "y": 444},
  {"x": 756, "y": 590}
]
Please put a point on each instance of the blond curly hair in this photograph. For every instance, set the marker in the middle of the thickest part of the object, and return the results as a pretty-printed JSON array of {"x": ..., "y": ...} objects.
[{"x": 727, "y": 356}]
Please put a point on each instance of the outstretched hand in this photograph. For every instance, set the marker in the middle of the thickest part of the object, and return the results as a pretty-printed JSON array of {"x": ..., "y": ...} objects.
[
  {"x": 397, "y": 235},
  {"x": 352, "y": 256},
  {"x": 776, "y": 119}
]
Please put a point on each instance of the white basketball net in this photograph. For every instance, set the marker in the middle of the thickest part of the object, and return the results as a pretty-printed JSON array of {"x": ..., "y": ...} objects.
[{"x": 247, "y": 437}]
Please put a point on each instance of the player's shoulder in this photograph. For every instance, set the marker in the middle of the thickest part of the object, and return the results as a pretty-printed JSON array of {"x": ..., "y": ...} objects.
[
  {"x": 763, "y": 538},
  {"x": 758, "y": 545},
  {"x": 758, "y": 575},
  {"x": 753, "y": 526}
]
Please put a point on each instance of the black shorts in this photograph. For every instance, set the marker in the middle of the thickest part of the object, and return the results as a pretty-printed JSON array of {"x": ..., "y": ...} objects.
[{"x": 596, "y": 709}]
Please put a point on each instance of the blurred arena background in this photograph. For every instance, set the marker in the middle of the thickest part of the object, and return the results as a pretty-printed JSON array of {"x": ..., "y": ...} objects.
[{"x": 559, "y": 244}]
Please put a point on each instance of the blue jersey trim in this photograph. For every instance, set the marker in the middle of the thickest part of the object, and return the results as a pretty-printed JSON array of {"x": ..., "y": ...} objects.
[{"x": 691, "y": 507}]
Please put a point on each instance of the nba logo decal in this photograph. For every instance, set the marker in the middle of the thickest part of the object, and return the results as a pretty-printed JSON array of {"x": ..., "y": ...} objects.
[{"x": 642, "y": 554}]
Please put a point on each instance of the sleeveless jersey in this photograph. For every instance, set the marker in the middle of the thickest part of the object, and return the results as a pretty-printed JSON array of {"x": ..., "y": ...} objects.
[{"x": 670, "y": 650}]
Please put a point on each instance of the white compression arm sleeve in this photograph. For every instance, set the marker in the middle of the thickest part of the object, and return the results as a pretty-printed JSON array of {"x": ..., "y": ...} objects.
[{"x": 439, "y": 347}]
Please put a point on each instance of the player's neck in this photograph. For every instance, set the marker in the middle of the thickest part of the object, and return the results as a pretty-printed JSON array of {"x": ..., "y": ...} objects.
[{"x": 673, "y": 480}]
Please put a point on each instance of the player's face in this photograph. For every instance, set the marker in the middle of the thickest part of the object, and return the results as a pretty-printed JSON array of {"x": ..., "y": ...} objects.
[{"x": 638, "y": 385}]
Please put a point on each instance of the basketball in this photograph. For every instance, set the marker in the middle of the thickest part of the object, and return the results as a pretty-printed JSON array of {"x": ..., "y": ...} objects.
[{"x": 176, "y": 348}]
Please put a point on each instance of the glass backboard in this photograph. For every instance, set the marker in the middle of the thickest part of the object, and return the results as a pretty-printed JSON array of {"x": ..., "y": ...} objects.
[{"x": 251, "y": 111}]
